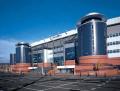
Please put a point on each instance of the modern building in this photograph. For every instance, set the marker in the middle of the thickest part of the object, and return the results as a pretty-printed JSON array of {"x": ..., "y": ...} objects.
[
  {"x": 94, "y": 36},
  {"x": 65, "y": 46},
  {"x": 92, "y": 31},
  {"x": 42, "y": 56},
  {"x": 12, "y": 59},
  {"x": 113, "y": 37},
  {"x": 21, "y": 60},
  {"x": 58, "y": 42},
  {"x": 23, "y": 53}
]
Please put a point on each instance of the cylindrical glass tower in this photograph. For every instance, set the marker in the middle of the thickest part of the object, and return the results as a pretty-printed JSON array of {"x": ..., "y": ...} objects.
[
  {"x": 22, "y": 53},
  {"x": 91, "y": 35},
  {"x": 93, "y": 60}
]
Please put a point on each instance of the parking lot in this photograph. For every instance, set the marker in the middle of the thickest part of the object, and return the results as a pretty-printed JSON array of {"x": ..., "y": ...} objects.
[
  {"x": 47, "y": 83},
  {"x": 58, "y": 86},
  {"x": 74, "y": 85}
]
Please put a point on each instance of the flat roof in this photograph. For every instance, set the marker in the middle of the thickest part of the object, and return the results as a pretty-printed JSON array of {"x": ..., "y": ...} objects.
[
  {"x": 113, "y": 21},
  {"x": 58, "y": 36}
]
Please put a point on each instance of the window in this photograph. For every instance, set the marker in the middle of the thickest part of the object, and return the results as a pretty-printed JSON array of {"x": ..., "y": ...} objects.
[
  {"x": 59, "y": 60},
  {"x": 114, "y": 43},
  {"x": 117, "y": 42},
  {"x": 110, "y": 43},
  {"x": 117, "y": 34},
  {"x": 107, "y": 36},
  {"x": 91, "y": 27},
  {"x": 35, "y": 59},
  {"x": 70, "y": 53},
  {"x": 113, "y": 35},
  {"x": 114, "y": 51},
  {"x": 117, "y": 50},
  {"x": 110, "y": 35},
  {"x": 110, "y": 51}
]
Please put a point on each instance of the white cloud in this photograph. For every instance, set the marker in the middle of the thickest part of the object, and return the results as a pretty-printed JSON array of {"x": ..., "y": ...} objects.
[{"x": 6, "y": 47}]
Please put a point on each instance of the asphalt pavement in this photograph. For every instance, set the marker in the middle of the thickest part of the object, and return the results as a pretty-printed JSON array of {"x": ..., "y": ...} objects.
[{"x": 10, "y": 82}]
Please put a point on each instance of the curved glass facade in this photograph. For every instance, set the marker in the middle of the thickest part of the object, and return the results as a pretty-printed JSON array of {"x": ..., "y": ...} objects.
[
  {"x": 91, "y": 38},
  {"x": 18, "y": 55},
  {"x": 23, "y": 54}
]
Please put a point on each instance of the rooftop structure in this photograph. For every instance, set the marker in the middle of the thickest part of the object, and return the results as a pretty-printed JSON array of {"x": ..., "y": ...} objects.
[{"x": 109, "y": 22}]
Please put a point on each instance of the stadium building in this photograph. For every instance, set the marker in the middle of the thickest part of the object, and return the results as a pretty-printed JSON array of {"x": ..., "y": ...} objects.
[
  {"x": 113, "y": 37},
  {"x": 64, "y": 50}
]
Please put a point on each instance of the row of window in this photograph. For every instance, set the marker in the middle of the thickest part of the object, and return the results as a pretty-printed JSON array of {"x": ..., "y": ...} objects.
[
  {"x": 113, "y": 35},
  {"x": 38, "y": 58},
  {"x": 113, "y": 51},
  {"x": 113, "y": 43},
  {"x": 58, "y": 52},
  {"x": 59, "y": 60},
  {"x": 70, "y": 53},
  {"x": 58, "y": 49}
]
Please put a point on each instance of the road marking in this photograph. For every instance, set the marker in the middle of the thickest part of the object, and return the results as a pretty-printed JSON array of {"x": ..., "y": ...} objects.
[
  {"x": 74, "y": 85},
  {"x": 103, "y": 83},
  {"x": 47, "y": 82},
  {"x": 99, "y": 85},
  {"x": 60, "y": 86},
  {"x": 32, "y": 89},
  {"x": 52, "y": 86},
  {"x": 42, "y": 85},
  {"x": 107, "y": 81},
  {"x": 93, "y": 88},
  {"x": 54, "y": 82},
  {"x": 64, "y": 88}
]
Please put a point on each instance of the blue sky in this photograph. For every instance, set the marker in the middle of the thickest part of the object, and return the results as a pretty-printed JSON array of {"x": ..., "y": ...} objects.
[{"x": 31, "y": 20}]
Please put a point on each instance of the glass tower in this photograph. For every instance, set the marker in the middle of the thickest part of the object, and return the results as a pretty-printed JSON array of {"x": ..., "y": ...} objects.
[
  {"x": 92, "y": 35},
  {"x": 23, "y": 53}
]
